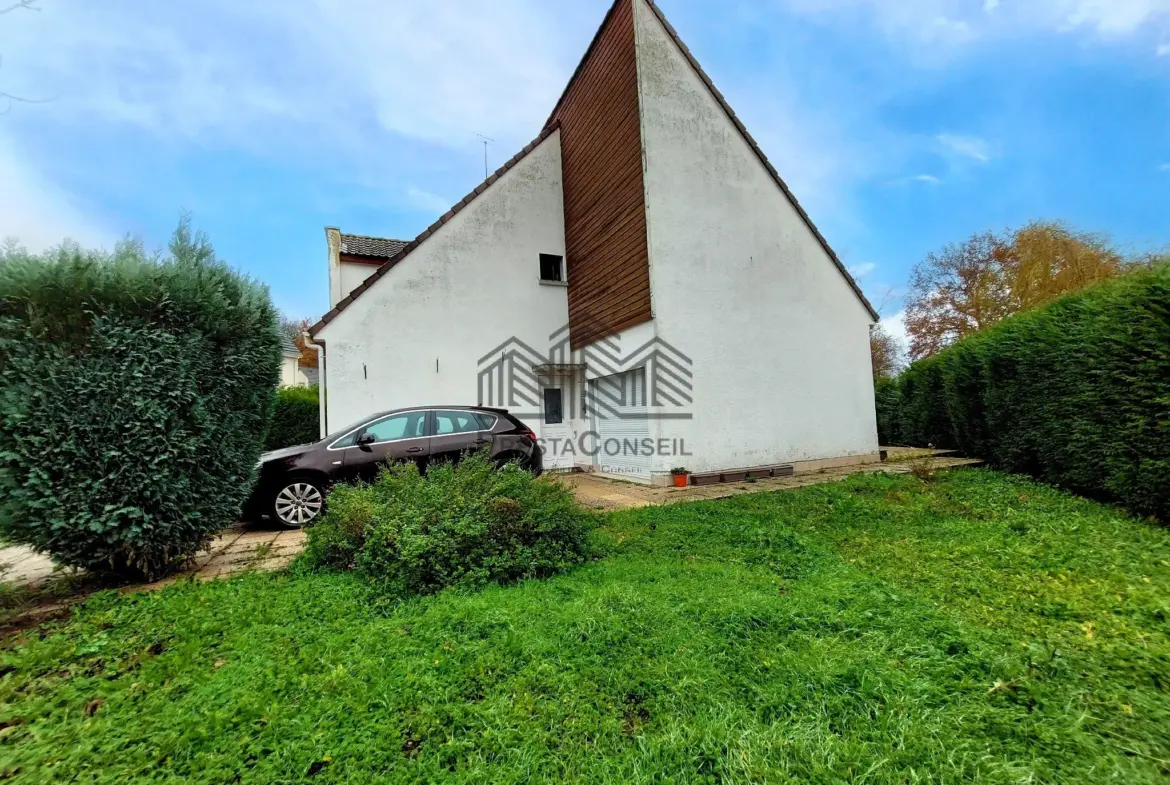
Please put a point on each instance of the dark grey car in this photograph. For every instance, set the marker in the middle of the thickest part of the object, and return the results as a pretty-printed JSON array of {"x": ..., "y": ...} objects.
[{"x": 293, "y": 482}]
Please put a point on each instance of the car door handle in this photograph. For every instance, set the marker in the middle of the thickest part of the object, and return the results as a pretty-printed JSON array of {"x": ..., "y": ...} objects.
[{"x": 415, "y": 449}]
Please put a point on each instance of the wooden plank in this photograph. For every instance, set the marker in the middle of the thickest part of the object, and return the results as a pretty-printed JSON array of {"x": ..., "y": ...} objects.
[
  {"x": 608, "y": 237},
  {"x": 605, "y": 220},
  {"x": 615, "y": 311},
  {"x": 631, "y": 284}
]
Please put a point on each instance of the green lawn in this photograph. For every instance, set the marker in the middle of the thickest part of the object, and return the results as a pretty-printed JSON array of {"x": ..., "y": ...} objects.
[{"x": 877, "y": 630}]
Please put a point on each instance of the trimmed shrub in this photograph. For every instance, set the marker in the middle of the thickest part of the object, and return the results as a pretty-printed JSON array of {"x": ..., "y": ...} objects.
[
  {"x": 135, "y": 396},
  {"x": 460, "y": 525},
  {"x": 1076, "y": 393},
  {"x": 296, "y": 419}
]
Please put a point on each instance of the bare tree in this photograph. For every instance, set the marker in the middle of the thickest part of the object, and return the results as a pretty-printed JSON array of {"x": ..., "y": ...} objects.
[
  {"x": 10, "y": 98},
  {"x": 885, "y": 353}
]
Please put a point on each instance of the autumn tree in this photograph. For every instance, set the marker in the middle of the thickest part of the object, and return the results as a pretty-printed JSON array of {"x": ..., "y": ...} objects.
[
  {"x": 969, "y": 286},
  {"x": 957, "y": 291},
  {"x": 884, "y": 352},
  {"x": 1050, "y": 259},
  {"x": 295, "y": 329}
]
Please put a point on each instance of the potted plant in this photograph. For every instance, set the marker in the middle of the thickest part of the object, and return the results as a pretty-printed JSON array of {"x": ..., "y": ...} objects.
[{"x": 681, "y": 477}]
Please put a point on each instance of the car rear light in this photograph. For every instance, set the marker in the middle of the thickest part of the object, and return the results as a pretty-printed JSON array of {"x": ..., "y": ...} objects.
[{"x": 531, "y": 434}]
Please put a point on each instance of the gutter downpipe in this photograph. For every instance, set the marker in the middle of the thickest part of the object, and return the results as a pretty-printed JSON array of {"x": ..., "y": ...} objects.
[{"x": 323, "y": 416}]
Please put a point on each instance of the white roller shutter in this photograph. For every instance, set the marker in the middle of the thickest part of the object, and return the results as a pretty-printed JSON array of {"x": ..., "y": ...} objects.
[{"x": 618, "y": 404}]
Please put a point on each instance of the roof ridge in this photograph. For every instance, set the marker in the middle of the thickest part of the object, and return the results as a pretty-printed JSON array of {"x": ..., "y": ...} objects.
[
  {"x": 447, "y": 216},
  {"x": 372, "y": 237},
  {"x": 759, "y": 153}
]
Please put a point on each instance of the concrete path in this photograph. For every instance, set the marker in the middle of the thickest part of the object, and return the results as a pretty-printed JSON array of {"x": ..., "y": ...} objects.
[
  {"x": 603, "y": 494},
  {"x": 235, "y": 550},
  {"x": 240, "y": 549}
]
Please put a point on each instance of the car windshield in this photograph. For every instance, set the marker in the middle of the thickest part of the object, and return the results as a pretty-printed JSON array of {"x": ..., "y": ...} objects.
[{"x": 350, "y": 427}]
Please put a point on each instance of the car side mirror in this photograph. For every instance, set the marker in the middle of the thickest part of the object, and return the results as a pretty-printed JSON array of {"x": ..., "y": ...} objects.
[{"x": 364, "y": 439}]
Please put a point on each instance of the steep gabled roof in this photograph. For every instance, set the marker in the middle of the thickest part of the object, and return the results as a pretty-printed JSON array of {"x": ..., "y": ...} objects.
[
  {"x": 416, "y": 242},
  {"x": 760, "y": 154},
  {"x": 377, "y": 247},
  {"x": 551, "y": 126}
]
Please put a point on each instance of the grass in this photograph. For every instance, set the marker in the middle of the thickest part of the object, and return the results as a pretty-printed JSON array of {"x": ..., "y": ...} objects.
[{"x": 882, "y": 629}]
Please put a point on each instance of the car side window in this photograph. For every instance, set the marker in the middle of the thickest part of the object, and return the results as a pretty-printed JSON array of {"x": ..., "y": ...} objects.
[
  {"x": 348, "y": 441},
  {"x": 486, "y": 421},
  {"x": 449, "y": 422},
  {"x": 401, "y": 426}
]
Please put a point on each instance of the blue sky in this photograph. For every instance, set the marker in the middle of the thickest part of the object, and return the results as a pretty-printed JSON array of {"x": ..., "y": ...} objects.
[{"x": 901, "y": 126}]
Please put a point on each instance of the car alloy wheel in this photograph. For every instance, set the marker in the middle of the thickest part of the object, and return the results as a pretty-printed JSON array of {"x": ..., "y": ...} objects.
[{"x": 299, "y": 504}]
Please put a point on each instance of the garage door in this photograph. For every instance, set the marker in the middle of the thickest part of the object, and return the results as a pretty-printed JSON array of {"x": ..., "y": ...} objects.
[{"x": 618, "y": 404}]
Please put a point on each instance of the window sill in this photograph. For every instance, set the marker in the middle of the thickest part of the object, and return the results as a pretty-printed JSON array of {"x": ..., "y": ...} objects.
[{"x": 553, "y": 283}]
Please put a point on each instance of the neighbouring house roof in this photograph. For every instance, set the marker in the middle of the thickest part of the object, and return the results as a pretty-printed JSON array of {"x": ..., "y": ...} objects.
[
  {"x": 416, "y": 242},
  {"x": 288, "y": 348},
  {"x": 380, "y": 247}
]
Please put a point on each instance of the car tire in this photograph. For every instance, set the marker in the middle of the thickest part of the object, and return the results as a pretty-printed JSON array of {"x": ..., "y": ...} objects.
[{"x": 297, "y": 502}]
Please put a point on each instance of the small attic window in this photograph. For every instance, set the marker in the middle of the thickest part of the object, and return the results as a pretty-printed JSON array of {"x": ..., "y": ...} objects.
[{"x": 552, "y": 267}]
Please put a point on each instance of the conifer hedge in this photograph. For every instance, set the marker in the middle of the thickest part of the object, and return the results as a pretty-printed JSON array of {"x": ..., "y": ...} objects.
[
  {"x": 297, "y": 419},
  {"x": 135, "y": 394},
  {"x": 1076, "y": 393}
]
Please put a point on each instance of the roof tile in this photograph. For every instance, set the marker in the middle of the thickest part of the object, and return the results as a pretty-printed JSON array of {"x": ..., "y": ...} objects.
[{"x": 360, "y": 245}]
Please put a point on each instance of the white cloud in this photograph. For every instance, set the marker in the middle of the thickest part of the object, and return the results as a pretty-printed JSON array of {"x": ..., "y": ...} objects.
[
  {"x": 928, "y": 21},
  {"x": 428, "y": 202},
  {"x": 1107, "y": 17},
  {"x": 896, "y": 326},
  {"x": 929, "y": 179},
  {"x": 966, "y": 146},
  {"x": 263, "y": 71},
  {"x": 376, "y": 92},
  {"x": 947, "y": 22},
  {"x": 862, "y": 270},
  {"x": 37, "y": 213}
]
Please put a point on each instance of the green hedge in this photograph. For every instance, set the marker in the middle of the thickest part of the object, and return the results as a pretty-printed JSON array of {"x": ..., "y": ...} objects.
[
  {"x": 886, "y": 399},
  {"x": 1076, "y": 393},
  {"x": 297, "y": 418},
  {"x": 464, "y": 525},
  {"x": 135, "y": 393}
]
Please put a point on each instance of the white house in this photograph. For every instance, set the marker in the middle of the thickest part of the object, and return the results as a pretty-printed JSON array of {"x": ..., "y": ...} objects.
[
  {"x": 290, "y": 363},
  {"x": 638, "y": 284}
]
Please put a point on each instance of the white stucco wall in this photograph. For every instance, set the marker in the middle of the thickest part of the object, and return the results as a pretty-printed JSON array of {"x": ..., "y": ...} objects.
[
  {"x": 779, "y": 340},
  {"x": 352, "y": 275},
  {"x": 290, "y": 375},
  {"x": 416, "y": 335},
  {"x": 344, "y": 277}
]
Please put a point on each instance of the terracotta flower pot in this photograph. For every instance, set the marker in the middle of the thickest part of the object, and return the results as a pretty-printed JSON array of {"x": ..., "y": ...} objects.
[{"x": 680, "y": 480}]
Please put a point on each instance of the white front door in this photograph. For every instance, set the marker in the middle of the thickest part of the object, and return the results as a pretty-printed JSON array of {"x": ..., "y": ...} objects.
[
  {"x": 555, "y": 430},
  {"x": 618, "y": 405}
]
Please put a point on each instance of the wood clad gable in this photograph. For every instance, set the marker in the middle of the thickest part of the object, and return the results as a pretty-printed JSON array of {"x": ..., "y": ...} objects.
[{"x": 605, "y": 207}]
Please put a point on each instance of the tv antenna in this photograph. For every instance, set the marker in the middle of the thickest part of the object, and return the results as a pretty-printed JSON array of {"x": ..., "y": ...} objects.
[{"x": 486, "y": 140}]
